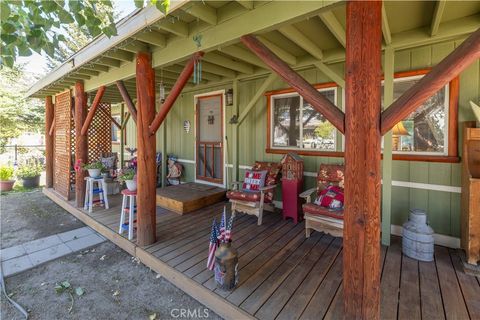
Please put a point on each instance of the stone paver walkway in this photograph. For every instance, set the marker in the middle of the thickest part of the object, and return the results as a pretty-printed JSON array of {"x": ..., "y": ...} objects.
[{"x": 31, "y": 254}]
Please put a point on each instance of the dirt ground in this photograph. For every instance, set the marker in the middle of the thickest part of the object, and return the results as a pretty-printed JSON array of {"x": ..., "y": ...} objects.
[
  {"x": 115, "y": 285},
  {"x": 27, "y": 216}
]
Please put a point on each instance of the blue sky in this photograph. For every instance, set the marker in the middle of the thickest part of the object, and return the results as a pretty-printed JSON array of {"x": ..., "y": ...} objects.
[{"x": 37, "y": 63}]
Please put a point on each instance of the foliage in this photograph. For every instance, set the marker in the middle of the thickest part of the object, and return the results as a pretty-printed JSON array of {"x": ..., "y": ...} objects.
[
  {"x": 17, "y": 114},
  {"x": 29, "y": 170},
  {"x": 93, "y": 165},
  {"x": 6, "y": 173},
  {"x": 40, "y": 25},
  {"x": 127, "y": 174},
  {"x": 324, "y": 130},
  {"x": 66, "y": 287}
]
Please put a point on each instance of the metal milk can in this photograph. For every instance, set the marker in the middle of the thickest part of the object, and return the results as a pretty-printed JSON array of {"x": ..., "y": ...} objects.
[
  {"x": 226, "y": 266},
  {"x": 417, "y": 237}
]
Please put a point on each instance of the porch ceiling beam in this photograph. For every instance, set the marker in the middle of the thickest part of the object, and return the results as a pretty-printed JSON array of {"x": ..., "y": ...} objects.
[
  {"x": 330, "y": 73},
  {"x": 75, "y": 76},
  {"x": 126, "y": 98},
  {"x": 109, "y": 62},
  {"x": 121, "y": 55},
  {"x": 135, "y": 46},
  {"x": 205, "y": 75},
  {"x": 175, "y": 26},
  {"x": 259, "y": 19},
  {"x": 220, "y": 60},
  {"x": 305, "y": 89},
  {"x": 216, "y": 69},
  {"x": 153, "y": 37},
  {"x": 247, "y": 4},
  {"x": 174, "y": 93},
  {"x": 257, "y": 96},
  {"x": 244, "y": 55},
  {"x": 281, "y": 53},
  {"x": 387, "y": 35},
  {"x": 203, "y": 11},
  {"x": 96, "y": 67},
  {"x": 450, "y": 67},
  {"x": 334, "y": 26},
  {"x": 302, "y": 41},
  {"x": 93, "y": 109},
  {"x": 87, "y": 72},
  {"x": 437, "y": 16}
]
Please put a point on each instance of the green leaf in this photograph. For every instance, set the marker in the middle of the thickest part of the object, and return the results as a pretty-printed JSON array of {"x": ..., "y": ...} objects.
[
  {"x": 65, "y": 284},
  {"x": 59, "y": 289},
  {"x": 80, "y": 19},
  {"x": 49, "y": 6},
  {"x": 139, "y": 3},
  {"x": 163, "y": 5},
  {"x": 8, "y": 27},
  {"x": 4, "y": 11},
  {"x": 65, "y": 17},
  {"x": 24, "y": 50},
  {"x": 110, "y": 31},
  {"x": 8, "y": 38},
  {"x": 79, "y": 291},
  {"x": 8, "y": 61}
]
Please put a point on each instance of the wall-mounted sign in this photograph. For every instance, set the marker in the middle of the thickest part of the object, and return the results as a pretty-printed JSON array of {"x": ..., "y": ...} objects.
[{"x": 186, "y": 126}]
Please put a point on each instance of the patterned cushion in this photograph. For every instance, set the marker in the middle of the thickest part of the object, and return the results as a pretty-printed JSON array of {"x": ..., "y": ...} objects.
[
  {"x": 254, "y": 180},
  {"x": 312, "y": 208},
  {"x": 330, "y": 174},
  {"x": 273, "y": 176},
  {"x": 108, "y": 162},
  {"x": 331, "y": 197},
  {"x": 252, "y": 196}
]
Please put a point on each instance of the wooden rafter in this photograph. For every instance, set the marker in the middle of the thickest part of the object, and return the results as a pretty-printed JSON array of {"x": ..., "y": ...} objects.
[
  {"x": 303, "y": 87},
  {"x": 281, "y": 53},
  {"x": 215, "y": 58},
  {"x": 153, "y": 37},
  {"x": 126, "y": 98},
  {"x": 244, "y": 55},
  {"x": 387, "y": 35},
  {"x": 174, "y": 26},
  {"x": 204, "y": 12},
  {"x": 121, "y": 55},
  {"x": 330, "y": 73},
  {"x": 334, "y": 26},
  {"x": 93, "y": 109},
  {"x": 437, "y": 16},
  {"x": 302, "y": 41},
  {"x": 441, "y": 74},
  {"x": 109, "y": 62},
  {"x": 257, "y": 96},
  {"x": 247, "y": 4},
  {"x": 135, "y": 46},
  {"x": 174, "y": 93},
  {"x": 218, "y": 70}
]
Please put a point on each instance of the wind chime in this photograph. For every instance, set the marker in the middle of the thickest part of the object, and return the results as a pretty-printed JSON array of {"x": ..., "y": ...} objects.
[
  {"x": 161, "y": 90},
  {"x": 197, "y": 65}
]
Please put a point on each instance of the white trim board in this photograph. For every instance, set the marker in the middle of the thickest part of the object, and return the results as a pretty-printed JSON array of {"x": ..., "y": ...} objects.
[{"x": 440, "y": 239}]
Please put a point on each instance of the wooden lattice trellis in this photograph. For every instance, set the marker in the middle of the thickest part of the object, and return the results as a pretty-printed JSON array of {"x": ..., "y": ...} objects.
[
  {"x": 100, "y": 132},
  {"x": 62, "y": 144}
]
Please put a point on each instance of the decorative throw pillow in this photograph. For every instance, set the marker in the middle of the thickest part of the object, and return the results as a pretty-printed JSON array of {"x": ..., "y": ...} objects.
[
  {"x": 254, "y": 180},
  {"x": 108, "y": 162},
  {"x": 331, "y": 197}
]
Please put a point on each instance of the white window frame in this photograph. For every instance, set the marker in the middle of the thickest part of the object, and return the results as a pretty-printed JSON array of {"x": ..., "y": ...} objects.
[
  {"x": 293, "y": 94},
  {"x": 119, "y": 131}
]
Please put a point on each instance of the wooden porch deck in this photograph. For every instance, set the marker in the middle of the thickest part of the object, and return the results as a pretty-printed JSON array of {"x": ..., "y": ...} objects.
[{"x": 283, "y": 275}]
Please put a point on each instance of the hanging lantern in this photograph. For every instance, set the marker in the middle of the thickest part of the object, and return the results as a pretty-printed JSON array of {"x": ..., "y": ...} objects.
[
  {"x": 161, "y": 92},
  {"x": 229, "y": 97}
]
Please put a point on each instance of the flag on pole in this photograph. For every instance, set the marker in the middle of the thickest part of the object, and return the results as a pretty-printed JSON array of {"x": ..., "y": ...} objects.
[
  {"x": 223, "y": 226},
  {"x": 228, "y": 232},
  {"x": 213, "y": 246}
]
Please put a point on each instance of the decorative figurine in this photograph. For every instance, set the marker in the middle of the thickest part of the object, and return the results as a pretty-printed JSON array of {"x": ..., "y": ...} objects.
[{"x": 174, "y": 170}]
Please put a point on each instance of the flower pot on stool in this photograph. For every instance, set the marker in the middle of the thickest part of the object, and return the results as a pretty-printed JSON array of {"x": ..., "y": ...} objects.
[
  {"x": 131, "y": 185},
  {"x": 94, "y": 173}
]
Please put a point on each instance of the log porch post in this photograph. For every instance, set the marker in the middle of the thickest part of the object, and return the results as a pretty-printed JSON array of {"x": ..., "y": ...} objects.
[
  {"x": 361, "y": 243},
  {"x": 49, "y": 116},
  {"x": 146, "y": 149},
  {"x": 81, "y": 141}
]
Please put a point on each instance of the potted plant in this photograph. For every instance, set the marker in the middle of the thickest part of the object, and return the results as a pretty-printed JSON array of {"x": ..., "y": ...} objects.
[
  {"x": 130, "y": 178},
  {"x": 94, "y": 168},
  {"x": 6, "y": 182},
  {"x": 30, "y": 173}
]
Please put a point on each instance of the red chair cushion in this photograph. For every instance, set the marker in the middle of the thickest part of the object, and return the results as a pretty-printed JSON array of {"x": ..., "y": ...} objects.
[
  {"x": 331, "y": 197},
  {"x": 252, "y": 196},
  {"x": 312, "y": 208},
  {"x": 273, "y": 175},
  {"x": 128, "y": 192}
]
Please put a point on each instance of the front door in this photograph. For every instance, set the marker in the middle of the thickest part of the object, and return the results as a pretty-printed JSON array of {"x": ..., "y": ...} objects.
[{"x": 209, "y": 145}]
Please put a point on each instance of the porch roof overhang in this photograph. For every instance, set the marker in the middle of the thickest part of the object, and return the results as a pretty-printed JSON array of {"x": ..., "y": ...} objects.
[{"x": 302, "y": 33}]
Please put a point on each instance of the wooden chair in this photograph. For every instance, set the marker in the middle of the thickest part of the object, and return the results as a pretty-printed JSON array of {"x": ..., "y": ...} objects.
[
  {"x": 254, "y": 203},
  {"x": 317, "y": 217}
]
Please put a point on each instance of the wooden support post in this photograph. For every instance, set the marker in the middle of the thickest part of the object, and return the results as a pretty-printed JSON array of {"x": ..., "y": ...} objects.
[
  {"x": 440, "y": 75},
  {"x": 388, "y": 71},
  {"x": 49, "y": 121},
  {"x": 127, "y": 99},
  {"x": 305, "y": 89},
  {"x": 260, "y": 92},
  {"x": 163, "y": 136},
  {"x": 234, "y": 143},
  {"x": 146, "y": 164},
  {"x": 122, "y": 135},
  {"x": 361, "y": 243},
  {"x": 174, "y": 93},
  {"x": 93, "y": 109},
  {"x": 81, "y": 143},
  {"x": 52, "y": 127}
]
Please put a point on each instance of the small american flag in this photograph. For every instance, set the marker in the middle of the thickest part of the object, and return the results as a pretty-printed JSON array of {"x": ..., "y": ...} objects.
[
  {"x": 228, "y": 232},
  {"x": 213, "y": 246},
  {"x": 223, "y": 223}
]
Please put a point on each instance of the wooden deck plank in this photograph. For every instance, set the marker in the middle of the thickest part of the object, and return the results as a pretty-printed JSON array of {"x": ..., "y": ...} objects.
[
  {"x": 430, "y": 295},
  {"x": 454, "y": 304},
  {"x": 336, "y": 310},
  {"x": 275, "y": 303},
  {"x": 390, "y": 282},
  {"x": 469, "y": 286},
  {"x": 299, "y": 301},
  {"x": 409, "y": 303},
  {"x": 266, "y": 288}
]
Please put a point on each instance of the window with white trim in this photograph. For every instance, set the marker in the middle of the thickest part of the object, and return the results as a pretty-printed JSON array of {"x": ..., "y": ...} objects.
[
  {"x": 115, "y": 129},
  {"x": 295, "y": 124}
]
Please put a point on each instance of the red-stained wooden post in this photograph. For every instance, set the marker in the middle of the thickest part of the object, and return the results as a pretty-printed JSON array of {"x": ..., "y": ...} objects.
[
  {"x": 146, "y": 165},
  {"x": 81, "y": 142},
  {"x": 361, "y": 243},
  {"x": 49, "y": 116}
]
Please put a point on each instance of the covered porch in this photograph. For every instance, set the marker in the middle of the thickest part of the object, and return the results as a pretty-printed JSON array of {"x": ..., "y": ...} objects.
[{"x": 283, "y": 275}]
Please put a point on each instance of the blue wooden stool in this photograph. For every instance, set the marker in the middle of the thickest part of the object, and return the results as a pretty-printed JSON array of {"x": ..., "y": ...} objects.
[{"x": 91, "y": 191}]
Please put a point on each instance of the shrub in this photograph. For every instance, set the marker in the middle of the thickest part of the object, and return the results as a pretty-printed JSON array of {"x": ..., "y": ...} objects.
[
  {"x": 29, "y": 170},
  {"x": 127, "y": 174},
  {"x": 93, "y": 165},
  {"x": 6, "y": 173}
]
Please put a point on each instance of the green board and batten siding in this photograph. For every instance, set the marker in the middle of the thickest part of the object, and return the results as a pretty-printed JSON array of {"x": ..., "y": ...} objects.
[{"x": 443, "y": 207}]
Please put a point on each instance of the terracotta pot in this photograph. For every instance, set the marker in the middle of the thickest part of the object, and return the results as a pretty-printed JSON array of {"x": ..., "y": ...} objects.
[
  {"x": 7, "y": 185},
  {"x": 131, "y": 185},
  {"x": 31, "y": 182}
]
